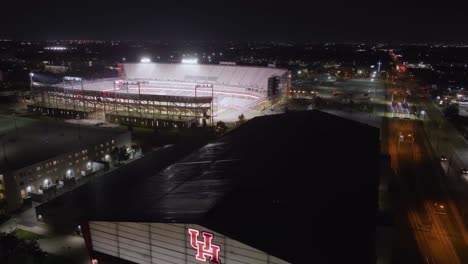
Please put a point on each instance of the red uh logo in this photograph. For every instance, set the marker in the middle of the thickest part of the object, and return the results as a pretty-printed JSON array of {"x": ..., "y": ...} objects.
[{"x": 204, "y": 248}]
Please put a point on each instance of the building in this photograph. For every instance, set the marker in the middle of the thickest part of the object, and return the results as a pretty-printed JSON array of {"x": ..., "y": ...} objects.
[
  {"x": 159, "y": 95},
  {"x": 299, "y": 187},
  {"x": 40, "y": 156}
]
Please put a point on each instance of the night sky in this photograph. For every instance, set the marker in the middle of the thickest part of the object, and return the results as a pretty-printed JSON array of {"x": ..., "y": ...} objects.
[{"x": 326, "y": 20}]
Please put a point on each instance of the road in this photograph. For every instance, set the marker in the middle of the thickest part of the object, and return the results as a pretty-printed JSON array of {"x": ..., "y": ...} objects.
[
  {"x": 429, "y": 218},
  {"x": 431, "y": 215}
]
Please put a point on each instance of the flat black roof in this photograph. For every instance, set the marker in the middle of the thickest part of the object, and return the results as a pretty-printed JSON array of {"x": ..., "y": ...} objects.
[
  {"x": 40, "y": 140},
  {"x": 301, "y": 186}
]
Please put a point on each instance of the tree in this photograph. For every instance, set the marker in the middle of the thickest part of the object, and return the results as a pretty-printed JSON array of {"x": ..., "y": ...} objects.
[
  {"x": 451, "y": 111},
  {"x": 15, "y": 250},
  {"x": 414, "y": 110},
  {"x": 123, "y": 154},
  {"x": 241, "y": 118},
  {"x": 221, "y": 127}
]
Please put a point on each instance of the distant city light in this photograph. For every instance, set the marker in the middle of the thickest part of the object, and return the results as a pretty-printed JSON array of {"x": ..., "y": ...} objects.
[
  {"x": 31, "y": 74},
  {"x": 190, "y": 61},
  {"x": 299, "y": 72},
  {"x": 69, "y": 78},
  {"x": 55, "y": 48},
  {"x": 145, "y": 60}
]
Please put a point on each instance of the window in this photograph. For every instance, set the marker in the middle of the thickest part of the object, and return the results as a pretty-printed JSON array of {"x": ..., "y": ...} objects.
[
  {"x": 38, "y": 168},
  {"x": 55, "y": 162},
  {"x": 113, "y": 142}
]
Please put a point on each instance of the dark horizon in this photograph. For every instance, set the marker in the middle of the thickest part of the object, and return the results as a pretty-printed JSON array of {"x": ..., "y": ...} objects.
[{"x": 298, "y": 21}]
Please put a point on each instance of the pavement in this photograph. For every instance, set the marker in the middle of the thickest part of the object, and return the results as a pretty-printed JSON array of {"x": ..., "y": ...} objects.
[{"x": 63, "y": 245}]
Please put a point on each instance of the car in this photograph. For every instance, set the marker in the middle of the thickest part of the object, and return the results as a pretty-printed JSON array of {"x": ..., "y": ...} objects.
[{"x": 443, "y": 158}]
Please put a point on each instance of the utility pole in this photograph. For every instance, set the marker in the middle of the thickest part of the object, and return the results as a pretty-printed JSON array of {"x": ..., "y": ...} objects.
[
  {"x": 78, "y": 122},
  {"x": 4, "y": 153},
  {"x": 16, "y": 127}
]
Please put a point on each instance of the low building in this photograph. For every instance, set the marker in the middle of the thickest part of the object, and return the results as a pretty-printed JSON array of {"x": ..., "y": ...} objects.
[
  {"x": 40, "y": 156},
  {"x": 300, "y": 187}
]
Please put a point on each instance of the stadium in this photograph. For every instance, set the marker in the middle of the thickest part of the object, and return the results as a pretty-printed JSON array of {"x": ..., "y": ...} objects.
[{"x": 164, "y": 94}]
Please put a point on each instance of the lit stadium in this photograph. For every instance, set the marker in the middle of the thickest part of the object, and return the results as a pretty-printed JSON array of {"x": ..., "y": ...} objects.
[{"x": 164, "y": 95}]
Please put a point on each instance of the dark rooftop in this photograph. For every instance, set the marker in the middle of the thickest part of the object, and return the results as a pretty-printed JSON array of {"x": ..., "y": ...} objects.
[
  {"x": 39, "y": 140},
  {"x": 300, "y": 186}
]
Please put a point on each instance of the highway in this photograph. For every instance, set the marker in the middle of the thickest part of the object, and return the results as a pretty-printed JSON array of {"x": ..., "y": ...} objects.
[{"x": 429, "y": 219}]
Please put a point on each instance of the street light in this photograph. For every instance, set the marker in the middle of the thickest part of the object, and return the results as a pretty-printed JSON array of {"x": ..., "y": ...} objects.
[
  {"x": 78, "y": 122},
  {"x": 31, "y": 75},
  {"x": 46, "y": 127},
  {"x": 16, "y": 127},
  {"x": 145, "y": 60}
]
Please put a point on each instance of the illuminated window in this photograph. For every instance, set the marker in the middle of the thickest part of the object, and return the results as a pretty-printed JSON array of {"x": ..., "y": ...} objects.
[{"x": 38, "y": 168}]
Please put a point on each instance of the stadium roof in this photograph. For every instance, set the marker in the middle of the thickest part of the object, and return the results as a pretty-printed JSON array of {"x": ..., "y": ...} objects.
[
  {"x": 124, "y": 96},
  {"x": 42, "y": 140},
  {"x": 299, "y": 186}
]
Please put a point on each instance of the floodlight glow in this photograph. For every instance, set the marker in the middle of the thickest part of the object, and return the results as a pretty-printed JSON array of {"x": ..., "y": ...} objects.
[
  {"x": 69, "y": 78},
  {"x": 145, "y": 60},
  {"x": 190, "y": 61},
  {"x": 31, "y": 74}
]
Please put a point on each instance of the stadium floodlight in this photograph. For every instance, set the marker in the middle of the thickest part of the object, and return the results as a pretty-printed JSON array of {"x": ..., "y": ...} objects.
[
  {"x": 190, "y": 61},
  {"x": 145, "y": 60}
]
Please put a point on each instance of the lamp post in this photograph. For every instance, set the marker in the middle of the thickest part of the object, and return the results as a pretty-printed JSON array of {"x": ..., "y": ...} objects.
[
  {"x": 16, "y": 127},
  {"x": 78, "y": 122},
  {"x": 46, "y": 127},
  {"x": 31, "y": 75}
]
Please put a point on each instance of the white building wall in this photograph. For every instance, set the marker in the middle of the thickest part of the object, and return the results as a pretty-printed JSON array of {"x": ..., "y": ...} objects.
[{"x": 162, "y": 243}]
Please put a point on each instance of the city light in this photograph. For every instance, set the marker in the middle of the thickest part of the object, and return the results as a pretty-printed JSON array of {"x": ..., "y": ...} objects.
[
  {"x": 31, "y": 74},
  {"x": 190, "y": 61},
  {"x": 145, "y": 60},
  {"x": 69, "y": 78},
  {"x": 56, "y": 48}
]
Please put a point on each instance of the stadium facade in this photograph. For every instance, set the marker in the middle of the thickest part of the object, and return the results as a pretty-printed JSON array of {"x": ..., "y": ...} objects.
[{"x": 164, "y": 95}]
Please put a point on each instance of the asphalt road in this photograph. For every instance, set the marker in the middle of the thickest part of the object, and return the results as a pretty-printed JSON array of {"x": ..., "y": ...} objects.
[{"x": 431, "y": 215}]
